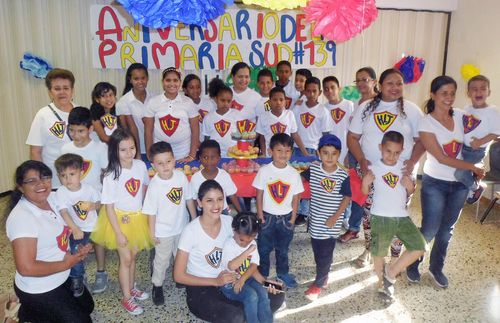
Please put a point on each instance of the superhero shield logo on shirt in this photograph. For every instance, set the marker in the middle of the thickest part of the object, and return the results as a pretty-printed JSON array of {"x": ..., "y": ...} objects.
[
  {"x": 470, "y": 123},
  {"x": 58, "y": 129},
  {"x": 390, "y": 179},
  {"x": 452, "y": 148},
  {"x": 278, "y": 191},
  {"x": 86, "y": 166},
  {"x": 222, "y": 127},
  {"x": 236, "y": 105},
  {"x": 288, "y": 102},
  {"x": 328, "y": 184},
  {"x": 81, "y": 213},
  {"x": 169, "y": 124},
  {"x": 214, "y": 257},
  {"x": 63, "y": 239},
  {"x": 384, "y": 120},
  {"x": 175, "y": 195},
  {"x": 307, "y": 119},
  {"x": 337, "y": 114},
  {"x": 278, "y": 127},
  {"x": 108, "y": 120},
  {"x": 245, "y": 265},
  {"x": 132, "y": 186},
  {"x": 245, "y": 125},
  {"x": 267, "y": 105},
  {"x": 201, "y": 115}
]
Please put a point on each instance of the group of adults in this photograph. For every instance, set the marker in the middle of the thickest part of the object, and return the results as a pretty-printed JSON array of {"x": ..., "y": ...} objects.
[{"x": 40, "y": 240}]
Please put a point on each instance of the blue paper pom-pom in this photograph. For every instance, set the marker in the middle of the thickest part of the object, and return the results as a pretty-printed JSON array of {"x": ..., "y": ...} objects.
[
  {"x": 37, "y": 66},
  {"x": 165, "y": 13}
]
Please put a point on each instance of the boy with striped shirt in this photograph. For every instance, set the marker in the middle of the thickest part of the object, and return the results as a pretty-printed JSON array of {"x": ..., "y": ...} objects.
[{"x": 330, "y": 196}]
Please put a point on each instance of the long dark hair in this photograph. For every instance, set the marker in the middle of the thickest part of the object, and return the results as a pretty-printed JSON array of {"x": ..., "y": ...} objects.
[
  {"x": 114, "y": 165},
  {"x": 436, "y": 84},
  {"x": 372, "y": 106},
  {"x": 128, "y": 76},
  {"x": 373, "y": 75},
  {"x": 209, "y": 184}
]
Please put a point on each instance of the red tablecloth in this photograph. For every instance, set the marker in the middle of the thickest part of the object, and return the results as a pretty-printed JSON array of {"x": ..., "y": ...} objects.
[{"x": 245, "y": 189}]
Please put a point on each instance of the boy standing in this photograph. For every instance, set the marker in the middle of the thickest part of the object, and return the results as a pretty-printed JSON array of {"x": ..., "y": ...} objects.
[
  {"x": 389, "y": 214},
  {"x": 265, "y": 84},
  {"x": 284, "y": 71},
  {"x": 301, "y": 76},
  {"x": 77, "y": 204},
  {"x": 278, "y": 188},
  {"x": 330, "y": 196},
  {"x": 165, "y": 204},
  {"x": 481, "y": 127}
]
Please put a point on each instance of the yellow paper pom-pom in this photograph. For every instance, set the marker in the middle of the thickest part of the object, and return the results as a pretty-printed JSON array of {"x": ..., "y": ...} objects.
[
  {"x": 277, "y": 4},
  {"x": 468, "y": 71}
]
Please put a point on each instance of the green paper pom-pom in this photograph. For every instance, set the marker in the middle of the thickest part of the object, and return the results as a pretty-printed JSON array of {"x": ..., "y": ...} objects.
[{"x": 350, "y": 92}]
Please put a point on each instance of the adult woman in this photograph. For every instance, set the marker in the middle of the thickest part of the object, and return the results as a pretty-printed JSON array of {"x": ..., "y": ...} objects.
[
  {"x": 442, "y": 197},
  {"x": 49, "y": 129},
  {"x": 39, "y": 240},
  {"x": 387, "y": 111},
  {"x": 199, "y": 257},
  {"x": 366, "y": 83}
]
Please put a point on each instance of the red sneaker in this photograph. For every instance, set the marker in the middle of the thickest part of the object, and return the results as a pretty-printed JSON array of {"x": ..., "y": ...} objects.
[
  {"x": 131, "y": 306},
  {"x": 312, "y": 293},
  {"x": 348, "y": 235},
  {"x": 139, "y": 294}
]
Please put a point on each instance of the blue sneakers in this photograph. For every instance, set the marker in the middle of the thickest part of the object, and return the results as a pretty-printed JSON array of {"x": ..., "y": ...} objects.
[
  {"x": 289, "y": 280},
  {"x": 438, "y": 278},
  {"x": 412, "y": 274}
]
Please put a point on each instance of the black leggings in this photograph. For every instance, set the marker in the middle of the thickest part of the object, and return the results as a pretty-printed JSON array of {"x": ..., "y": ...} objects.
[
  {"x": 57, "y": 305},
  {"x": 209, "y": 304}
]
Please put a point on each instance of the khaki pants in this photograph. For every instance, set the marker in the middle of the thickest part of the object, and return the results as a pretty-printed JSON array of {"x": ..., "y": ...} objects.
[{"x": 163, "y": 253}]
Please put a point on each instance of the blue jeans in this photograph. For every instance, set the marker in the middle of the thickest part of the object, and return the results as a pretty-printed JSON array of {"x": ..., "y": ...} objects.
[
  {"x": 254, "y": 298},
  {"x": 356, "y": 217},
  {"x": 442, "y": 203},
  {"x": 323, "y": 257},
  {"x": 78, "y": 270},
  {"x": 465, "y": 176},
  {"x": 276, "y": 233},
  {"x": 297, "y": 152}
]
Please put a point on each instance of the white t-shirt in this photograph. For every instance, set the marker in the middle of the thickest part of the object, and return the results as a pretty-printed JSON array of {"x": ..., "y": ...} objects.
[
  {"x": 127, "y": 191},
  {"x": 311, "y": 123},
  {"x": 51, "y": 134},
  {"x": 450, "y": 141},
  {"x": 205, "y": 253},
  {"x": 223, "y": 178},
  {"x": 129, "y": 105},
  {"x": 72, "y": 201},
  {"x": 171, "y": 121},
  {"x": 205, "y": 106},
  {"x": 270, "y": 125},
  {"x": 480, "y": 123},
  {"x": 219, "y": 128},
  {"x": 389, "y": 197},
  {"x": 232, "y": 250},
  {"x": 28, "y": 221},
  {"x": 385, "y": 118},
  {"x": 340, "y": 115},
  {"x": 246, "y": 102},
  {"x": 263, "y": 107},
  {"x": 166, "y": 199},
  {"x": 279, "y": 186},
  {"x": 95, "y": 159},
  {"x": 291, "y": 94}
]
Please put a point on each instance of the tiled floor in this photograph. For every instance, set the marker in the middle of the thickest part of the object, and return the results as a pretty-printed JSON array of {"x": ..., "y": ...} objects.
[{"x": 473, "y": 267}]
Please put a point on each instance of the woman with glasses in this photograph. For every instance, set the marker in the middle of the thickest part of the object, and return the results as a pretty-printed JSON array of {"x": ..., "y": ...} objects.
[{"x": 40, "y": 241}]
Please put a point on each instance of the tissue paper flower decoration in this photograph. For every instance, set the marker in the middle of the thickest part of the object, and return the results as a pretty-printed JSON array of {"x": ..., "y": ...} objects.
[
  {"x": 350, "y": 93},
  {"x": 277, "y": 4},
  {"x": 165, "y": 13},
  {"x": 37, "y": 66},
  {"x": 468, "y": 71},
  {"x": 411, "y": 68},
  {"x": 340, "y": 20}
]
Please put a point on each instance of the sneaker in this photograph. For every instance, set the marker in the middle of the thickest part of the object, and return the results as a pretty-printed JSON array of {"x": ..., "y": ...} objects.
[
  {"x": 157, "y": 295},
  {"x": 300, "y": 220},
  {"x": 138, "y": 294},
  {"x": 289, "y": 280},
  {"x": 132, "y": 307},
  {"x": 101, "y": 282},
  {"x": 439, "y": 279},
  {"x": 348, "y": 235},
  {"x": 476, "y": 195},
  {"x": 412, "y": 274},
  {"x": 77, "y": 286},
  {"x": 312, "y": 293}
]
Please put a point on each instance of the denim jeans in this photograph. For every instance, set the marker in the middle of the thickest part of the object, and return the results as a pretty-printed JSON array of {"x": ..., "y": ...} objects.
[
  {"x": 276, "y": 233},
  {"x": 78, "y": 270},
  {"x": 356, "y": 217},
  {"x": 255, "y": 301},
  {"x": 442, "y": 203},
  {"x": 298, "y": 153},
  {"x": 474, "y": 156},
  {"x": 323, "y": 256}
]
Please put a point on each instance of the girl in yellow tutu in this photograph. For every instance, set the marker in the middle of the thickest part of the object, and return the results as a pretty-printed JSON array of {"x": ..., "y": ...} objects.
[{"x": 121, "y": 225}]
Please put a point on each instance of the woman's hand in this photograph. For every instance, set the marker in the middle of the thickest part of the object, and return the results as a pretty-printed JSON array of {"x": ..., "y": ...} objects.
[
  {"x": 364, "y": 165},
  {"x": 186, "y": 159},
  {"x": 121, "y": 240},
  {"x": 225, "y": 277},
  {"x": 409, "y": 165},
  {"x": 81, "y": 253},
  {"x": 478, "y": 171}
]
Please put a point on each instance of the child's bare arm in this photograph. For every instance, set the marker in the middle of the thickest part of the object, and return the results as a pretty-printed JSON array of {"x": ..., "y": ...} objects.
[
  {"x": 77, "y": 233},
  {"x": 476, "y": 143},
  {"x": 260, "y": 205},
  {"x": 408, "y": 184},
  {"x": 235, "y": 202},
  {"x": 367, "y": 181},
  {"x": 330, "y": 222},
  {"x": 191, "y": 208},
  {"x": 298, "y": 140},
  {"x": 236, "y": 262},
  {"x": 295, "y": 207}
]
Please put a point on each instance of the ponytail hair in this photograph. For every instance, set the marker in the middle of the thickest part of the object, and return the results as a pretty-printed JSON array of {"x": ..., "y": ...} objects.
[
  {"x": 217, "y": 86},
  {"x": 246, "y": 223},
  {"x": 436, "y": 84}
]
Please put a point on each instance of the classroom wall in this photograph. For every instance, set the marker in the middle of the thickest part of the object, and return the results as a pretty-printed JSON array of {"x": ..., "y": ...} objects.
[{"x": 60, "y": 32}]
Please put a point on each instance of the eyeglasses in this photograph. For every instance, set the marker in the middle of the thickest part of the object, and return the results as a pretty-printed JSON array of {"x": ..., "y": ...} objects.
[
  {"x": 365, "y": 80},
  {"x": 36, "y": 181}
]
